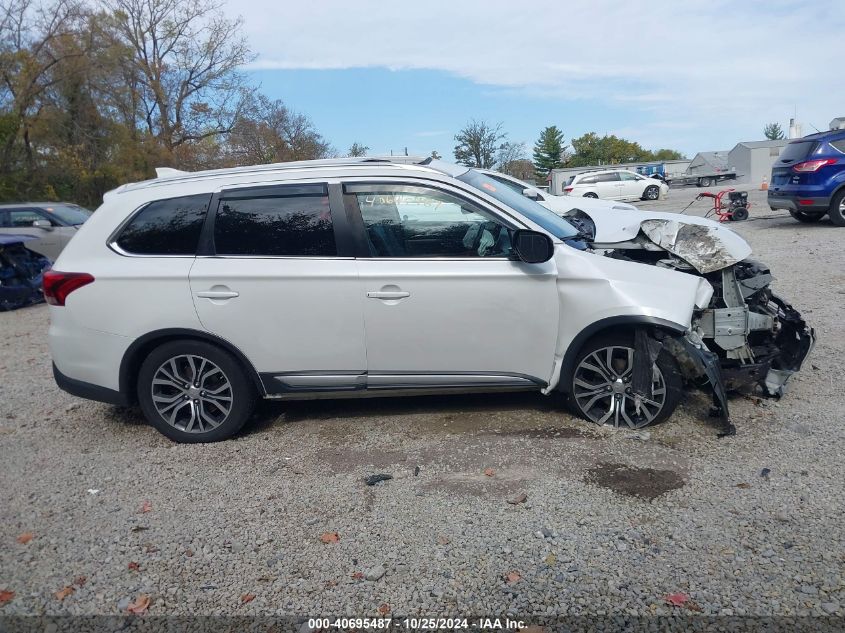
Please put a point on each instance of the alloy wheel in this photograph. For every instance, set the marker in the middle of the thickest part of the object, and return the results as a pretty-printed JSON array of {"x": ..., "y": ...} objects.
[
  {"x": 191, "y": 393},
  {"x": 602, "y": 389}
]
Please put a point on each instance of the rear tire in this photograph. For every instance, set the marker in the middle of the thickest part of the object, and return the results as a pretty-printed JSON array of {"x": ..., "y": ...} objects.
[
  {"x": 599, "y": 390},
  {"x": 704, "y": 182},
  {"x": 806, "y": 218},
  {"x": 837, "y": 209},
  {"x": 590, "y": 194},
  {"x": 652, "y": 192},
  {"x": 192, "y": 391}
]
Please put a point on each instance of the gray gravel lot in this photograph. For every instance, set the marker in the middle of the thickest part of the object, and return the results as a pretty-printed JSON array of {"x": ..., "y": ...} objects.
[{"x": 613, "y": 522}]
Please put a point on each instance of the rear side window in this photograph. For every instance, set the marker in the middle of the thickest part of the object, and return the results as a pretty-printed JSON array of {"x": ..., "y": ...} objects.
[
  {"x": 298, "y": 225},
  {"x": 839, "y": 146},
  {"x": 166, "y": 227},
  {"x": 589, "y": 180}
]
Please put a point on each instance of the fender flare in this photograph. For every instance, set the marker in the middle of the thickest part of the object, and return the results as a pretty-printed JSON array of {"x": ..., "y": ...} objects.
[
  {"x": 567, "y": 367},
  {"x": 131, "y": 360}
]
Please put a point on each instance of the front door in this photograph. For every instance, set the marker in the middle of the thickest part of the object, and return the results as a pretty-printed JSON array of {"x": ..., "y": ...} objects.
[
  {"x": 445, "y": 305},
  {"x": 278, "y": 287}
]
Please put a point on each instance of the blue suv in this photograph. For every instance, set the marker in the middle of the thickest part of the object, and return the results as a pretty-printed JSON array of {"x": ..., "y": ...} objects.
[{"x": 808, "y": 178}]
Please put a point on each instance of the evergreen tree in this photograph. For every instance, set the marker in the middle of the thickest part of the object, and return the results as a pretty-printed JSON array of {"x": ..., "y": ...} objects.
[{"x": 548, "y": 151}]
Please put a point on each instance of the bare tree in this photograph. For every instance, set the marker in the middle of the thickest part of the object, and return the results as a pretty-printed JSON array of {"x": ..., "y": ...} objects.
[
  {"x": 478, "y": 144},
  {"x": 184, "y": 58},
  {"x": 267, "y": 131},
  {"x": 509, "y": 152}
]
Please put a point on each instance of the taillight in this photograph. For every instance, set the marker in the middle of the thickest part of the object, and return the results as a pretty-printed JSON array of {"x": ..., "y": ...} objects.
[
  {"x": 813, "y": 165},
  {"x": 58, "y": 285},
  {"x": 567, "y": 189}
]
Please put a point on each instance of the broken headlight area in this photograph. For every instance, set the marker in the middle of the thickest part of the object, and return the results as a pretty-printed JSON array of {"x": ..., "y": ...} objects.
[
  {"x": 760, "y": 339},
  {"x": 747, "y": 339}
]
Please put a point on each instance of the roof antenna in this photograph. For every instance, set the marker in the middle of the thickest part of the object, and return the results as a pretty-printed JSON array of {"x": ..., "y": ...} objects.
[{"x": 815, "y": 128}]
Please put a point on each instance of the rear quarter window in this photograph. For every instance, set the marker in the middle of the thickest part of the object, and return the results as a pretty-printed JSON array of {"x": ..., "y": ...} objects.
[
  {"x": 839, "y": 145},
  {"x": 166, "y": 227}
]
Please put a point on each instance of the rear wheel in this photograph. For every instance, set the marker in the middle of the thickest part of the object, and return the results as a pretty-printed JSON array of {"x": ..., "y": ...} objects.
[
  {"x": 601, "y": 389},
  {"x": 807, "y": 218},
  {"x": 192, "y": 392},
  {"x": 590, "y": 194},
  {"x": 837, "y": 209},
  {"x": 704, "y": 182},
  {"x": 652, "y": 192}
]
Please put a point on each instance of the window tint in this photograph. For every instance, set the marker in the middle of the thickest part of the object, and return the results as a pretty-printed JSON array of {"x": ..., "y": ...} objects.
[
  {"x": 24, "y": 217},
  {"x": 291, "y": 226},
  {"x": 607, "y": 177},
  {"x": 796, "y": 151},
  {"x": 166, "y": 227},
  {"x": 406, "y": 221}
]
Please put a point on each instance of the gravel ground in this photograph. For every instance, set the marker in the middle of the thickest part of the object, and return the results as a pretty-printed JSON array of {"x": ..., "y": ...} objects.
[{"x": 612, "y": 522}]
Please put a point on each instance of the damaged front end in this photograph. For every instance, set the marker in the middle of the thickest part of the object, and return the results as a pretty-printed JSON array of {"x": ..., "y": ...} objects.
[{"x": 747, "y": 339}]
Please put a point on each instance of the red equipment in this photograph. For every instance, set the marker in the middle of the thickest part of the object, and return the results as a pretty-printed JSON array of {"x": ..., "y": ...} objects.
[{"x": 735, "y": 210}]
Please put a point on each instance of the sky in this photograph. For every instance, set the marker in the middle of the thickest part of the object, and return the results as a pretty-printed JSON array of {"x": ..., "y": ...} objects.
[{"x": 692, "y": 76}]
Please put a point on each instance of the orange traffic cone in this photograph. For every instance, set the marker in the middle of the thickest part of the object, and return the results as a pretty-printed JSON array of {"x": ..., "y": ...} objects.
[{"x": 765, "y": 185}]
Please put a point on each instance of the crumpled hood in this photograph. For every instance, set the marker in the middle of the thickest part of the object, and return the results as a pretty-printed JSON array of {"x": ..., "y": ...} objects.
[{"x": 704, "y": 244}]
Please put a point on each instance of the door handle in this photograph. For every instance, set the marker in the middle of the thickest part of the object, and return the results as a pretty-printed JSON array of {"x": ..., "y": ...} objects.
[
  {"x": 218, "y": 294},
  {"x": 395, "y": 294}
]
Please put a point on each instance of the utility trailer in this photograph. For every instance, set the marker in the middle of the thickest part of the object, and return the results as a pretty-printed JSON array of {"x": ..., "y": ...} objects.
[{"x": 702, "y": 180}]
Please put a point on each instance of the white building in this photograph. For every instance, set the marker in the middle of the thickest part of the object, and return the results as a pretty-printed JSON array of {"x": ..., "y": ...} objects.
[{"x": 753, "y": 160}]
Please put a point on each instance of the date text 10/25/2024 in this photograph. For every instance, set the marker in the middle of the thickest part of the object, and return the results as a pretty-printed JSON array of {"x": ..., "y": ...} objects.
[{"x": 416, "y": 624}]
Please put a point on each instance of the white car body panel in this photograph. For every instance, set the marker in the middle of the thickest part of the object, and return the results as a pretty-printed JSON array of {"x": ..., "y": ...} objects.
[
  {"x": 463, "y": 315},
  {"x": 291, "y": 315}
]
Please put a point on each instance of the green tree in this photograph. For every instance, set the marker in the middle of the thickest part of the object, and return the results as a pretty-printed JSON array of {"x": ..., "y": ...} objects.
[
  {"x": 773, "y": 131},
  {"x": 548, "y": 151},
  {"x": 357, "y": 149},
  {"x": 479, "y": 143}
]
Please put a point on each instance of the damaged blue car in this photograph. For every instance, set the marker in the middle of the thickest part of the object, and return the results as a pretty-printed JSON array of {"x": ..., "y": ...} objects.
[{"x": 20, "y": 273}]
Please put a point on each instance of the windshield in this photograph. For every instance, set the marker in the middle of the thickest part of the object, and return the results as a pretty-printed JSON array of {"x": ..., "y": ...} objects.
[
  {"x": 68, "y": 213},
  {"x": 535, "y": 212}
]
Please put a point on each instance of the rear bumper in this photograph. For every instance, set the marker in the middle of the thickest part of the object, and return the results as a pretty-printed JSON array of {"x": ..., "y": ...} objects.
[
  {"x": 794, "y": 202},
  {"x": 88, "y": 390}
]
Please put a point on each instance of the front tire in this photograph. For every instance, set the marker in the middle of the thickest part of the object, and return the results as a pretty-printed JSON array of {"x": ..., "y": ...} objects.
[
  {"x": 704, "y": 182},
  {"x": 652, "y": 192},
  {"x": 806, "y": 218},
  {"x": 600, "y": 388},
  {"x": 837, "y": 209},
  {"x": 192, "y": 391}
]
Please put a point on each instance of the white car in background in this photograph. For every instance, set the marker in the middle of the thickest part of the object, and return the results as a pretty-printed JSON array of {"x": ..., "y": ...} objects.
[
  {"x": 615, "y": 184},
  {"x": 560, "y": 205}
]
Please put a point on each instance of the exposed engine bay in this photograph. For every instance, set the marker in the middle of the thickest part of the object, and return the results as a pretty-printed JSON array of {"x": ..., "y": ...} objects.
[{"x": 747, "y": 339}]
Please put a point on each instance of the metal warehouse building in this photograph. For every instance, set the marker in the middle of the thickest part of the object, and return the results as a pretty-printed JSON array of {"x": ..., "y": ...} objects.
[{"x": 753, "y": 160}]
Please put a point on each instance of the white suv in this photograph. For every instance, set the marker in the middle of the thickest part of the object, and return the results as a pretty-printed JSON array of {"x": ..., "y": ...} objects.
[
  {"x": 196, "y": 294},
  {"x": 615, "y": 184}
]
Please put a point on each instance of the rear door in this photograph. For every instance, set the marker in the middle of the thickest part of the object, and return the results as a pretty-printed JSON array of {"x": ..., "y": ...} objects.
[
  {"x": 445, "y": 305},
  {"x": 609, "y": 186},
  {"x": 278, "y": 282}
]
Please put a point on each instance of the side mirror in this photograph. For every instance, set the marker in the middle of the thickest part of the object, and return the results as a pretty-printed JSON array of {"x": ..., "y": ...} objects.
[
  {"x": 532, "y": 247},
  {"x": 42, "y": 224},
  {"x": 530, "y": 193}
]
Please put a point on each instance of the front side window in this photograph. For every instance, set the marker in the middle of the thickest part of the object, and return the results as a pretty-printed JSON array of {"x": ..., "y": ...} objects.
[
  {"x": 166, "y": 227},
  {"x": 410, "y": 221},
  {"x": 297, "y": 225},
  {"x": 24, "y": 217}
]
